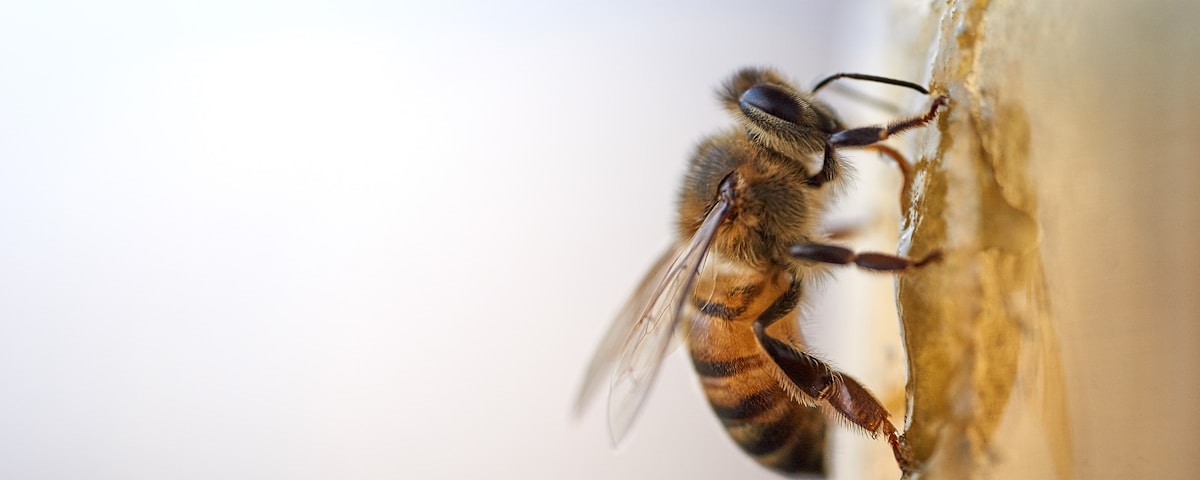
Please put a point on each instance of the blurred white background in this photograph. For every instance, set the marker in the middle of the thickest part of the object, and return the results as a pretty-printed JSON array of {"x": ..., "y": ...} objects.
[{"x": 355, "y": 239}]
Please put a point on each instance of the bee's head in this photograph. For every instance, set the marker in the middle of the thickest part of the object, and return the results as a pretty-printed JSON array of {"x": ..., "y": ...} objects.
[{"x": 777, "y": 115}]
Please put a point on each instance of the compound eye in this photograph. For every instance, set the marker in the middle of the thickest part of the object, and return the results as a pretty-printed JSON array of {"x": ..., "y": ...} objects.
[{"x": 771, "y": 100}]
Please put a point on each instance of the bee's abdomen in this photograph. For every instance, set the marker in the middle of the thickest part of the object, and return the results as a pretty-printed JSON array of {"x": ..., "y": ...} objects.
[
  {"x": 741, "y": 380},
  {"x": 760, "y": 416}
]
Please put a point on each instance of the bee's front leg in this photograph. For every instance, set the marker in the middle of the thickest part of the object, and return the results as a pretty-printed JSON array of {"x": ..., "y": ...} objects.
[{"x": 864, "y": 136}]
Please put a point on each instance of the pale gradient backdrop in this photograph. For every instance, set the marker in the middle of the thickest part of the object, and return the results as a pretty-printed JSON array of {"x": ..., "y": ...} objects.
[{"x": 357, "y": 239}]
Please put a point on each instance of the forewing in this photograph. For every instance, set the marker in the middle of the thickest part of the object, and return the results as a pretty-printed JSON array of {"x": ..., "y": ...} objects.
[
  {"x": 642, "y": 352},
  {"x": 600, "y": 369}
]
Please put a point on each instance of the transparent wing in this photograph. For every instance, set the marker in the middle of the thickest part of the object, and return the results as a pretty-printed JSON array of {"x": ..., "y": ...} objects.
[
  {"x": 647, "y": 343},
  {"x": 600, "y": 369}
]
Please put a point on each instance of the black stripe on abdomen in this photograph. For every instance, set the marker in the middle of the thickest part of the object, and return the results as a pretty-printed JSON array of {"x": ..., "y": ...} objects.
[
  {"x": 749, "y": 406},
  {"x": 727, "y": 368},
  {"x": 767, "y": 437},
  {"x": 805, "y": 451}
]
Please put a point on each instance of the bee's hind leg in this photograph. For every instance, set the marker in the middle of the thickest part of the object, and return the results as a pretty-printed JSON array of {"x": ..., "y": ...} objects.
[{"x": 844, "y": 394}]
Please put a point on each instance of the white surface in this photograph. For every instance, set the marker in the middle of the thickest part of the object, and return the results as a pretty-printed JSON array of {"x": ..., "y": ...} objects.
[{"x": 350, "y": 240}]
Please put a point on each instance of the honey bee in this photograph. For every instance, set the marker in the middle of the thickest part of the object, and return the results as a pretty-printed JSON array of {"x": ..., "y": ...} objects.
[{"x": 749, "y": 245}]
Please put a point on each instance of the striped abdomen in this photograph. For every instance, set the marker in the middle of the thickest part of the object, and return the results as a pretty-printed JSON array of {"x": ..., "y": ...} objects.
[{"x": 740, "y": 379}]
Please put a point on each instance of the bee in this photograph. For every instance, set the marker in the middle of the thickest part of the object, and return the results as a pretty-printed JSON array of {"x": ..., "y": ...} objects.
[{"x": 749, "y": 246}]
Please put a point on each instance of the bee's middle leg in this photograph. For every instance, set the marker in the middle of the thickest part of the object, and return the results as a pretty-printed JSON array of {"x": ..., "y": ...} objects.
[{"x": 881, "y": 262}]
